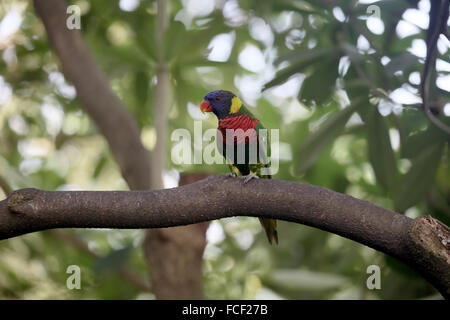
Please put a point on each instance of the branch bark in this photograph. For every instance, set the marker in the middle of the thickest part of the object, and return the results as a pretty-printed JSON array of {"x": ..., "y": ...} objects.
[{"x": 423, "y": 243}]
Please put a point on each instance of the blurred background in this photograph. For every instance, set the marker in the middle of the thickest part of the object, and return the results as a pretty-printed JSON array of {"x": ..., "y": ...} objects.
[{"x": 340, "y": 79}]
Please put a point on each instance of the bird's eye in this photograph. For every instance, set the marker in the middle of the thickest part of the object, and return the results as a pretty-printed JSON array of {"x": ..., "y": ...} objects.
[{"x": 217, "y": 99}]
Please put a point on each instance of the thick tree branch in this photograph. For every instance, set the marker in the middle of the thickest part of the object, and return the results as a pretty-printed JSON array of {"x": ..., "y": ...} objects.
[{"x": 423, "y": 243}]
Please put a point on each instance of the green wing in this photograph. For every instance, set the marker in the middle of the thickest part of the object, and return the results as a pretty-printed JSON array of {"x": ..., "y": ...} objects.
[
  {"x": 269, "y": 225},
  {"x": 264, "y": 145}
]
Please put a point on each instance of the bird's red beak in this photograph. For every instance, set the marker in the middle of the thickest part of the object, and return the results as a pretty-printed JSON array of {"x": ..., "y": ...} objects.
[{"x": 205, "y": 106}]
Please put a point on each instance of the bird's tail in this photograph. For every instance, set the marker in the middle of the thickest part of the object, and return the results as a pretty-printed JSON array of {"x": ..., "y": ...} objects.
[{"x": 270, "y": 227}]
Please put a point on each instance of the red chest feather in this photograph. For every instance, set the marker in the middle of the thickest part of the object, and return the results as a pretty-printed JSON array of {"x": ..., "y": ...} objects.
[{"x": 241, "y": 129}]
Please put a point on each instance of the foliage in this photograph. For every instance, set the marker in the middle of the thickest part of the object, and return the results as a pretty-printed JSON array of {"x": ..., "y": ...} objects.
[{"x": 326, "y": 82}]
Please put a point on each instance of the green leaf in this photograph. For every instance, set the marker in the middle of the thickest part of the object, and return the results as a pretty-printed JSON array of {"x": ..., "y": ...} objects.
[
  {"x": 141, "y": 85},
  {"x": 283, "y": 75},
  {"x": 401, "y": 62},
  {"x": 113, "y": 260},
  {"x": 320, "y": 84},
  {"x": 174, "y": 38},
  {"x": 352, "y": 52},
  {"x": 298, "y": 279},
  {"x": 294, "y": 6},
  {"x": 302, "y": 60},
  {"x": 317, "y": 141},
  {"x": 400, "y": 267},
  {"x": 412, "y": 121},
  {"x": 417, "y": 181},
  {"x": 416, "y": 143},
  {"x": 303, "y": 55},
  {"x": 268, "y": 114},
  {"x": 99, "y": 166},
  {"x": 380, "y": 151}
]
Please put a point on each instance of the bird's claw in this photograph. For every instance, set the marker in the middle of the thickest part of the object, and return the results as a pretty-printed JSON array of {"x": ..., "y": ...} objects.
[
  {"x": 249, "y": 177},
  {"x": 231, "y": 175}
]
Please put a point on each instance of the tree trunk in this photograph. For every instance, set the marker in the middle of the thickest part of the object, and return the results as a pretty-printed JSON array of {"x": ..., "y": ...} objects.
[{"x": 175, "y": 256}]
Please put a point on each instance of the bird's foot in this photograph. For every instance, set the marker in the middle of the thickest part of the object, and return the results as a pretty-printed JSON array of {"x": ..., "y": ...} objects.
[
  {"x": 249, "y": 177},
  {"x": 231, "y": 175}
]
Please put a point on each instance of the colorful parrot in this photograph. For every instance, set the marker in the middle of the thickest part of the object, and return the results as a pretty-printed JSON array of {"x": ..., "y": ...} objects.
[{"x": 247, "y": 163}]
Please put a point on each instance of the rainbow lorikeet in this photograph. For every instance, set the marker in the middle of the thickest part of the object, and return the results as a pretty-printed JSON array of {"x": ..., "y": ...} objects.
[{"x": 239, "y": 130}]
